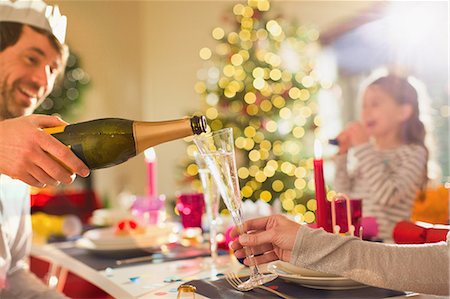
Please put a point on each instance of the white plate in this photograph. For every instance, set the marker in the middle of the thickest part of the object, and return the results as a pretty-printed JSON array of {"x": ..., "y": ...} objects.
[
  {"x": 119, "y": 253},
  {"x": 107, "y": 239},
  {"x": 312, "y": 279}
]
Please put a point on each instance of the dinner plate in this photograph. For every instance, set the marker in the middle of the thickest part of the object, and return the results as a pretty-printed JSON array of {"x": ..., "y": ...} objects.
[
  {"x": 117, "y": 253},
  {"x": 107, "y": 239},
  {"x": 312, "y": 279}
]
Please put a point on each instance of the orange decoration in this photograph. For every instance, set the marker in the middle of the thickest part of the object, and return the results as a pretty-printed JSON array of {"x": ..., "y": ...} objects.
[{"x": 432, "y": 207}]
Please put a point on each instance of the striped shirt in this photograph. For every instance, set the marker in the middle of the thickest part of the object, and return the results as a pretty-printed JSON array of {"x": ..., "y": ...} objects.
[{"x": 387, "y": 181}]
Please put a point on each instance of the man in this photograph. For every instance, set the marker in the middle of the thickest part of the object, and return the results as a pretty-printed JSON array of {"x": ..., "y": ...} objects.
[{"x": 32, "y": 55}]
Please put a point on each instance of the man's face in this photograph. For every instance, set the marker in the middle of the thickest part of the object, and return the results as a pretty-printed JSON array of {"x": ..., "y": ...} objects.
[{"x": 28, "y": 71}]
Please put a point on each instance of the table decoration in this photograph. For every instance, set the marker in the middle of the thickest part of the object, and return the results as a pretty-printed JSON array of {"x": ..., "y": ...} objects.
[{"x": 323, "y": 213}]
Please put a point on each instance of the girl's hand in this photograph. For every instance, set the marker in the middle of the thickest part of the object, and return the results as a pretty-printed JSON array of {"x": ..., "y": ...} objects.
[
  {"x": 344, "y": 142},
  {"x": 270, "y": 238},
  {"x": 357, "y": 134}
]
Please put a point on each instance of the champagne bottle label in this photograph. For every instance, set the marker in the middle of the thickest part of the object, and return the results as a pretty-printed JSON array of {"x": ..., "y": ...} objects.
[{"x": 54, "y": 130}]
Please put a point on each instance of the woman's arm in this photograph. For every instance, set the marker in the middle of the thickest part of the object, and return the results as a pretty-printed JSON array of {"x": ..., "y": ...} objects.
[{"x": 417, "y": 268}]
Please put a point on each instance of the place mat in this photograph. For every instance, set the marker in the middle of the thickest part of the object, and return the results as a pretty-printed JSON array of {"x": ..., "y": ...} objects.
[
  {"x": 97, "y": 262},
  {"x": 222, "y": 289}
]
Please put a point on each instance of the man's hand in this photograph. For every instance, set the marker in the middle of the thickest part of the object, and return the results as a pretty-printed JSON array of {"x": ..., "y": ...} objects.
[
  {"x": 270, "y": 238},
  {"x": 34, "y": 157}
]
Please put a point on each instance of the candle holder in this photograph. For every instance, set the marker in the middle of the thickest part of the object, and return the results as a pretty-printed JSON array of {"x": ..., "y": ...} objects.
[
  {"x": 191, "y": 207},
  {"x": 149, "y": 210},
  {"x": 346, "y": 212}
]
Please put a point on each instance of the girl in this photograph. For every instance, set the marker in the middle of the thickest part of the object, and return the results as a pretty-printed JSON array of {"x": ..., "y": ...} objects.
[{"x": 391, "y": 157}]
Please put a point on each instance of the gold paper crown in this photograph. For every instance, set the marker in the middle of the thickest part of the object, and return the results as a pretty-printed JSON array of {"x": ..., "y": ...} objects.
[{"x": 35, "y": 13}]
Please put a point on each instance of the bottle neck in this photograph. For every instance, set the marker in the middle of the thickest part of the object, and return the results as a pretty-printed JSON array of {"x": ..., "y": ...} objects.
[{"x": 148, "y": 134}]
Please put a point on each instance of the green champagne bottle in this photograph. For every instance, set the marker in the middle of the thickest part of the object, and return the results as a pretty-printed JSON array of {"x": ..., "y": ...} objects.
[{"x": 106, "y": 142}]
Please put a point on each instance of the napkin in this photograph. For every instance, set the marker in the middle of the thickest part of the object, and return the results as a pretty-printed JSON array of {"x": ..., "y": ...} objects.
[{"x": 407, "y": 232}]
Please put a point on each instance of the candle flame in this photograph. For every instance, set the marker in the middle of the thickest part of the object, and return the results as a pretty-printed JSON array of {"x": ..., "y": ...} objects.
[
  {"x": 317, "y": 149},
  {"x": 150, "y": 155}
]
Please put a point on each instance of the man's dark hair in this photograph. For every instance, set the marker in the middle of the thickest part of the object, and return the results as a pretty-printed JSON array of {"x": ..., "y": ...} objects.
[{"x": 11, "y": 31}]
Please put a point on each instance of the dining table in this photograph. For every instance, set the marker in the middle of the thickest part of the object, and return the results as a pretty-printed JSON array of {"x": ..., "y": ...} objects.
[{"x": 161, "y": 276}]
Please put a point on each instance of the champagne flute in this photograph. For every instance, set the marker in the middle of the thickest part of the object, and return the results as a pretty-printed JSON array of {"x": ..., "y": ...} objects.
[
  {"x": 211, "y": 196},
  {"x": 217, "y": 149}
]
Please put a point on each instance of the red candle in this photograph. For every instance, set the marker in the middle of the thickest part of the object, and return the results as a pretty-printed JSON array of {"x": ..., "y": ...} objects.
[
  {"x": 323, "y": 213},
  {"x": 150, "y": 160}
]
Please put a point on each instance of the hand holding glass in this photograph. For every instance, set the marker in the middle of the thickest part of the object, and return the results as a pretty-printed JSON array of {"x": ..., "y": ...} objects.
[{"x": 217, "y": 149}]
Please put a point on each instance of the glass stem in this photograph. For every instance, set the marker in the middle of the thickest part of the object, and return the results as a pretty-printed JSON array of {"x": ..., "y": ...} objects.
[
  {"x": 212, "y": 240},
  {"x": 254, "y": 269}
]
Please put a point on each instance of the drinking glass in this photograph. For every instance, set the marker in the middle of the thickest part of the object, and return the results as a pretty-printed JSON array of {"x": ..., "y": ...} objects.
[
  {"x": 211, "y": 196},
  {"x": 191, "y": 207},
  {"x": 217, "y": 149}
]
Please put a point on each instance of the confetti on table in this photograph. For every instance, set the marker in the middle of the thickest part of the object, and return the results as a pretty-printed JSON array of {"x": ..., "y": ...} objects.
[
  {"x": 134, "y": 279},
  {"x": 160, "y": 293},
  {"x": 220, "y": 274},
  {"x": 273, "y": 287},
  {"x": 174, "y": 290},
  {"x": 172, "y": 279}
]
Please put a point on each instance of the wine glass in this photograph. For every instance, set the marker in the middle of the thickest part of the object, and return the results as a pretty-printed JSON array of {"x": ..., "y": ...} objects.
[
  {"x": 212, "y": 198},
  {"x": 217, "y": 149}
]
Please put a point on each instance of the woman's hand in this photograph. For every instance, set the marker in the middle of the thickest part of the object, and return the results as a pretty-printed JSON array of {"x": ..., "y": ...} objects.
[
  {"x": 35, "y": 157},
  {"x": 270, "y": 238}
]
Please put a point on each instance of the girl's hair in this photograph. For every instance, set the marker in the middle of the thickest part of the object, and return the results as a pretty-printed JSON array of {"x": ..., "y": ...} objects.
[{"x": 413, "y": 129}]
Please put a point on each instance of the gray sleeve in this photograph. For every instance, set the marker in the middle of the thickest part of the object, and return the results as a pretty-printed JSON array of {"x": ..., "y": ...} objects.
[{"x": 418, "y": 268}]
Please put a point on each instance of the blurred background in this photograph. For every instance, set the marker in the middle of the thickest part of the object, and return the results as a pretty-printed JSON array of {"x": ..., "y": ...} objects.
[{"x": 154, "y": 60}]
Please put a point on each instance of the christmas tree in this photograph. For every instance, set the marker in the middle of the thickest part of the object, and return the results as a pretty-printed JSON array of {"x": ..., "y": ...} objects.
[
  {"x": 260, "y": 80},
  {"x": 67, "y": 94}
]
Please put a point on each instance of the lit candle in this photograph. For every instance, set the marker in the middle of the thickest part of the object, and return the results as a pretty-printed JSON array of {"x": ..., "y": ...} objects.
[
  {"x": 150, "y": 160},
  {"x": 323, "y": 214}
]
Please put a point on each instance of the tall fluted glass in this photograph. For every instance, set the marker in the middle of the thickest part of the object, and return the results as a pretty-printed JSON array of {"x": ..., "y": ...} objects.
[
  {"x": 217, "y": 149},
  {"x": 212, "y": 198}
]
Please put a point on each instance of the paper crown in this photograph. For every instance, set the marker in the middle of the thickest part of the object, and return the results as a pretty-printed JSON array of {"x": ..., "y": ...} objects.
[{"x": 35, "y": 13}]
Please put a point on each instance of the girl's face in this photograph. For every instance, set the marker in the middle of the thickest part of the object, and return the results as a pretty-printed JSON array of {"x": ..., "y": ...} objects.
[{"x": 381, "y": 114}]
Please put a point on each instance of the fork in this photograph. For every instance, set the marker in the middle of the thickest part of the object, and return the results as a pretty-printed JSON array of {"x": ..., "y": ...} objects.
[{"x": 235, "y": 281}]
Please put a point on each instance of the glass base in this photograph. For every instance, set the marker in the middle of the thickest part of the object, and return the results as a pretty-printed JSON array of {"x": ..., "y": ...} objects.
[{"x": 256, "y": 280}]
